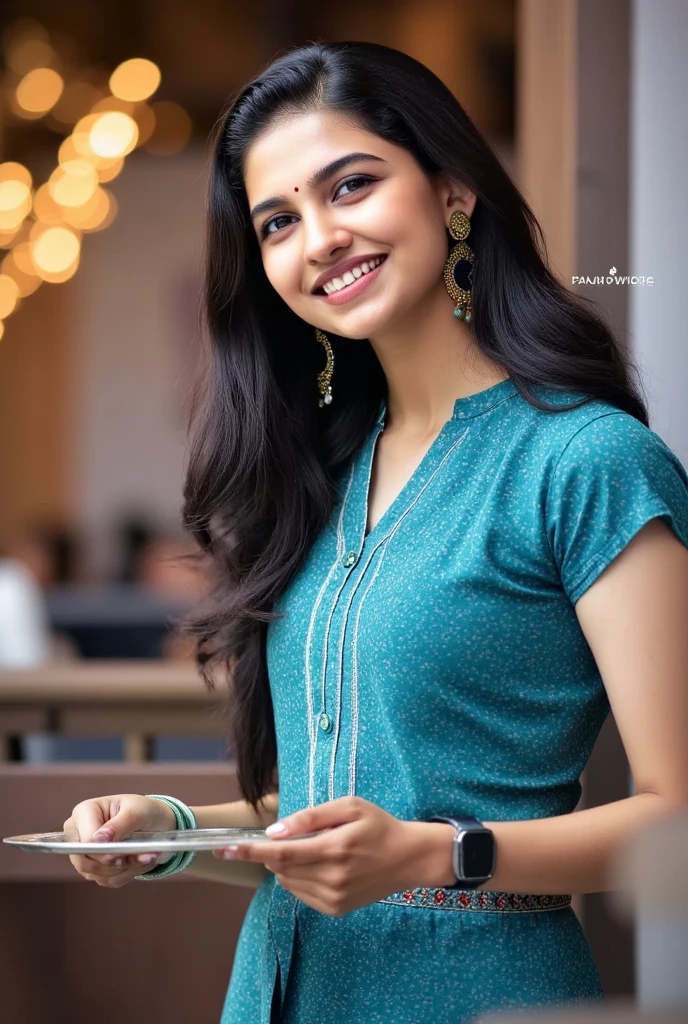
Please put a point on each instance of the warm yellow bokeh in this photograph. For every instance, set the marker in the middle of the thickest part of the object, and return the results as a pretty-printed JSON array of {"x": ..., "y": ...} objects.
[
  {"x": 12, "y": 171},
  {"x": 54, "y": 250},
  {"x": 22, "y": 259},
  {"x": 2, "y": 329},
  {"x": 39, "y": 91},
  {"x": 11, "y": 220},
  {"x": 9, "y": 295},
  {"x": 75, "y": 102},
  {"x": 95, "y": 215},
  {"x": 14, "y": 195},
  {"x": 135, "y": 79},
  {"x": 81, "y": 135},
  {"x": 7, "y": 237},
  {"x": 113, "y": 134},
  {"x": 26, "y": 283},
  {"x": 73, "y": 183},
  {"x": 113, "y": 103},
  {"x": 145, "y": 121},
  {"x": 45, "y": 209},
  {"x": 108, "y": 170},
  {"x": 173, "y": 129},
  {"x": 59, "y": 277},
  {"x": 31, "y": 51}
]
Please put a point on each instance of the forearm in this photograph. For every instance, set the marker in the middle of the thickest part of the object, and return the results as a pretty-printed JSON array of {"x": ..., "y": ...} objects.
[
  {"x": 236, "y": 814},
  {"x": 570, "y": 853},
  {"x": 208, "y": 867}
]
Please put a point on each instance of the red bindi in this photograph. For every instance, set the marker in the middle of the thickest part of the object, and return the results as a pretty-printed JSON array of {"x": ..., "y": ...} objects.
[{"x": 295, "y": 188}]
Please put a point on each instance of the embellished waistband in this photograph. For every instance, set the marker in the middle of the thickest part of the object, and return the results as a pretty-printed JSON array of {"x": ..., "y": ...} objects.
[{"x": 490, "y": 900}]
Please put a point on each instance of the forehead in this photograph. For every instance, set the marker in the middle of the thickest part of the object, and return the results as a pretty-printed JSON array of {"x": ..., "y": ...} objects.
[{"x": 297, "y": 145}]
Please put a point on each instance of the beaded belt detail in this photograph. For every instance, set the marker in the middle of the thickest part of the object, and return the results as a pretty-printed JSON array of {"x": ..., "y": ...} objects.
[{"x": 490, "y": 900}]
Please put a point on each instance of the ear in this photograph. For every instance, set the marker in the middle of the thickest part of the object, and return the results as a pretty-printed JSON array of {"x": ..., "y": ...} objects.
[{"x": 455, "y": 196}]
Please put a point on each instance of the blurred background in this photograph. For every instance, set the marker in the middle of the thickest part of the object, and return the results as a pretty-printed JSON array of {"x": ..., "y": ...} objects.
[{"x": 105, "y": 111}]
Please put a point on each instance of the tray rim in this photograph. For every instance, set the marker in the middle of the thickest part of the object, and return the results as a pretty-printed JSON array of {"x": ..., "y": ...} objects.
[{"x": 48, "y": 842}]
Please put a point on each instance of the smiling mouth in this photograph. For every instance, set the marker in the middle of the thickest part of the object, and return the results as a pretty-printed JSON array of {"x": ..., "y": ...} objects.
[{"x": 341, "y": 282}]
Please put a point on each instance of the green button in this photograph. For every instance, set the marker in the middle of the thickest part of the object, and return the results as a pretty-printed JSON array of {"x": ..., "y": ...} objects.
[
  {"x": 325, "y": 723},
  {"x": 349, "y": 559}
]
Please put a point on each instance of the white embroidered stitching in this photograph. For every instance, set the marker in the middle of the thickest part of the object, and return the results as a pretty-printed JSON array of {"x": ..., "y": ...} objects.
[
  {"x": 312, "y": 731},
  {"x": 354, "y": 674}
]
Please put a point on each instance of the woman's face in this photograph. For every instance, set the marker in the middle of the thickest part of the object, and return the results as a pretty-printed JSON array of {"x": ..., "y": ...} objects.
[{"x": 379, "y": 205}]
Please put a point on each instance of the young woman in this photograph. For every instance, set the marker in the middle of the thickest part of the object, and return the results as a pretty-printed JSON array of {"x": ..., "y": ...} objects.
[{"x": 446, "y": 544}]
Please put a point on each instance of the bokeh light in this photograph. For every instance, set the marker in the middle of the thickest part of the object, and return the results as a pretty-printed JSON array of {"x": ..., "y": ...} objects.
[
  {"x": 13, "y": 171},
  {"x": 95, "y": 215},
  {"x": 77, "y": 99},
  {"x": 39, "y": 91},
  {"x": 9, "y": 296},
  {"x": 27, "y": 283},
  {"x": 113, "y": 134},
  {"x": 135, "y": 79},
  {"x": 45, "y": 209},
  {"x": 29, "y": 49},
  {"x": 109, "y": 169},
  {"x": 54, "y": 251},
  {"x": 173, "y": 128},
  {"x": 73, "y": 183}
]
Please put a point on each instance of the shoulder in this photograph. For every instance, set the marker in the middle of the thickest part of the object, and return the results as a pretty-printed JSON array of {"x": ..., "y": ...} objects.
[{"x": 598, "y": 436}]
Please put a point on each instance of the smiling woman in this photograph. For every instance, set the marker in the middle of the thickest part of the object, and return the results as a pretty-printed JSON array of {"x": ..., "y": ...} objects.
[{"x": 418, "y": 583}]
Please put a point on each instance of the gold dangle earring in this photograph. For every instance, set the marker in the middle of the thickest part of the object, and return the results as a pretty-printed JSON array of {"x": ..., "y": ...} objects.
[
  {"x": 459, "y": 267},
  {"x": 325, "y": 377}
]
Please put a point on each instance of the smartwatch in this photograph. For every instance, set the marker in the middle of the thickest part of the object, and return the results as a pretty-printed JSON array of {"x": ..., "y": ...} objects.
[{"x": 474, "y": 854}]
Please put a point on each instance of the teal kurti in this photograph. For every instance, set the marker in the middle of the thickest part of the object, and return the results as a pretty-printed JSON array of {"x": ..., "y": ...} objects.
[{"x": 436, "y": 666}]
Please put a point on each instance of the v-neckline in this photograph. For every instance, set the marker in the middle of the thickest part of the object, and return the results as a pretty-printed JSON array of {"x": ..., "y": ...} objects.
[
  {"x": 406, "y": 489},
  {"x": 466, "y": 408}
]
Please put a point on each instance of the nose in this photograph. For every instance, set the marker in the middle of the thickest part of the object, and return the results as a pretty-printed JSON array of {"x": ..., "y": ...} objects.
[{"x": 322, "y": 238}]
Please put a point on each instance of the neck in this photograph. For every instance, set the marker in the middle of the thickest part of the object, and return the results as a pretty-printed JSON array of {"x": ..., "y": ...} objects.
[{"x": 430, "y": 359}]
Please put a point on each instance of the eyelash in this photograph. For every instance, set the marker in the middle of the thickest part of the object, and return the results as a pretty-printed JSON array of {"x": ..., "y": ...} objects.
[{"x": 356, "y": 177}]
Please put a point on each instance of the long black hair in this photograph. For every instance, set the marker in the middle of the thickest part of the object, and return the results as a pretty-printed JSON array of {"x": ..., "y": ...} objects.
[{"x": 264, "y": 456}]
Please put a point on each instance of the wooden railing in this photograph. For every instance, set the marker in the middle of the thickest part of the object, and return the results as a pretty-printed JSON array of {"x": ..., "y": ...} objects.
[
  {"x": 138, "y": 700},
  {"x": 65, "y": 939}
]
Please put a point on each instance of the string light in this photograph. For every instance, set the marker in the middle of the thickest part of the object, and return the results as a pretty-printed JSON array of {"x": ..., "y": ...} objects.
[{"x": 42, "y": 228}]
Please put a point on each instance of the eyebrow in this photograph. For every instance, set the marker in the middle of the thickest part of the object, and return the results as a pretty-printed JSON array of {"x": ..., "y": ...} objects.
[{"x": 316, "y": 179}]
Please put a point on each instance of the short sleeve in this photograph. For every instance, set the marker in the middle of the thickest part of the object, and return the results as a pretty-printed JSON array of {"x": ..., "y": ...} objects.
[{"x": 613, "y": 476}]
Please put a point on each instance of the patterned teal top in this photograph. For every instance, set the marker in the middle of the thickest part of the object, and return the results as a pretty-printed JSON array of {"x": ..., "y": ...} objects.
[{"x": 437, "y": 666}]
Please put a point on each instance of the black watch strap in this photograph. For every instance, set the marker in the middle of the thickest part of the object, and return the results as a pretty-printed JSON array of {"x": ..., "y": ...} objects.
[{"x": 462, "y": 824}]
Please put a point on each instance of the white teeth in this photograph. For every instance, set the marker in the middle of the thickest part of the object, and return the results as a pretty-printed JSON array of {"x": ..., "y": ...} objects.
[{"x": 349, "y": 276}]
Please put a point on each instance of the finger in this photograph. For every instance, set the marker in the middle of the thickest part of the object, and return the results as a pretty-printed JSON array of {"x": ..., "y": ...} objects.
[
  {"x": 314, "y": 819},
  {"x": 304, "y": 851},
  {"x": 120, "y": 825},
  {"x": 318, "y": 897},
  {"x": 87, "y": 818},
  {"x": 114, "y": 880}
]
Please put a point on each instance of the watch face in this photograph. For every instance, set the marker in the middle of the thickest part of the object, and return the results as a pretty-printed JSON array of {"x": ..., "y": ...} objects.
[{"x": 478, "y": 853}]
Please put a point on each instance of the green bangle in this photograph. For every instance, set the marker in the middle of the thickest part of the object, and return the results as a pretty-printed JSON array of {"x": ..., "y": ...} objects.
[{"x": 185, "y": 819}]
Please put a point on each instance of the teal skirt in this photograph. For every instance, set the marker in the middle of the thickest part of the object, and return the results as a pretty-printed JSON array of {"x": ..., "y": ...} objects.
[{"x": 406, "y": 961}]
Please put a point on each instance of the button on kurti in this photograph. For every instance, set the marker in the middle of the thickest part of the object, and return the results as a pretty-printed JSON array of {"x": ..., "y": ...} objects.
[{"x": 436, "y": 666}]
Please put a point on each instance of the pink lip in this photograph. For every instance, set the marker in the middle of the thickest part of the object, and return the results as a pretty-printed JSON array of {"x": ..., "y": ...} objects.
[{"x": 352, "y": 290}]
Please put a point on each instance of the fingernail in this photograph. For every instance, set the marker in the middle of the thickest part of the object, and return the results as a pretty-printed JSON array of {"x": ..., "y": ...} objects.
[
  {"x": 103, "y": 835},
  {"x": 273, "y": 830},
  {"x": 147, "y": 858},
  {"x": 118, "y": 862},
  {"x": 231, "y": 853}
]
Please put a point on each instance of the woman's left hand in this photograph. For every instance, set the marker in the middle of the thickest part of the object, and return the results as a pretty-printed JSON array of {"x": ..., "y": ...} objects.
[{"x": 364, "y": 855}]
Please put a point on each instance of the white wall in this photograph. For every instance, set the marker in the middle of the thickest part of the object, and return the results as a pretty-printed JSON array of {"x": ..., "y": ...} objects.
[
  {"x": 659, "y": 211},
  {"x": 657, "y": 320},
  {"x": 135, "y": 318}
]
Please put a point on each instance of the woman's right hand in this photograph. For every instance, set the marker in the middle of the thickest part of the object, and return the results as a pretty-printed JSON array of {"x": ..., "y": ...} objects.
[{"x": 110, "y": 819}]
